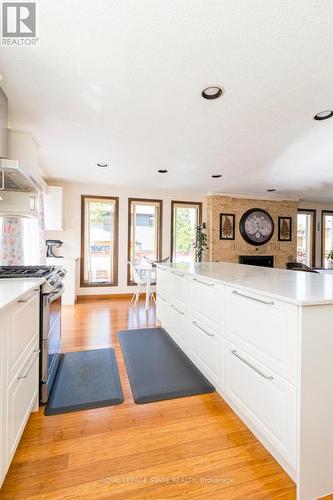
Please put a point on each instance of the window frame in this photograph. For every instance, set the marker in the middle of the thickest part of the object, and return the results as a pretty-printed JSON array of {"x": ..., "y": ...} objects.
[
  {"x": 190, "y": 203},
  {"x": 83, "y": 284},
  {"x": 313, "y": 212},
  {"x": 323, "y": 212},
  {"x": 159, "y": 231}
]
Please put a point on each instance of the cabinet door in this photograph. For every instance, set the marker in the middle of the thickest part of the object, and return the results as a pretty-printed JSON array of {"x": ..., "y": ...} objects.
[
  {"x": 162, "y": 308},
  {"x": 179, "y": 287},
  {"x": 21, "y": 396},
  {"x": 206, "y": 348},
  {"x": 53, "y": 201},
  {"x": 178, "y": 323},
  {"x": 163, "y": 281},
  {"x": 267, "y": 400},
  {"x": 265, "y": 327},
  {"x": 206, "y": 300},
  {"x": 23, "y": 335},
  {"x": 3, "y": 367}
]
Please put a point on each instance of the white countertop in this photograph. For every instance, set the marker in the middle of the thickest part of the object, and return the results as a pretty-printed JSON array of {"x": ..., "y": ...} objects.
[
  {"x": 296, "y": 287},
  {"x": 12, "y": 289}
]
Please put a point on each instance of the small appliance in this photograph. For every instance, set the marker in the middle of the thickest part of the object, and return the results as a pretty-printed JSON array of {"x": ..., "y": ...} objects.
[{"x": 49, "y": 248}]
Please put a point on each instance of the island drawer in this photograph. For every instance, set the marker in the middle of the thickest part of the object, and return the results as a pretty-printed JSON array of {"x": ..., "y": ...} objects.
[
  {"x": 162, "y": 307},
  {"x": 205, "y": 348},
  {"x": 264, "y": 327},
  {"x": 23, "y": 338},
  {"x": 206, "y": 300},
  {"x": 178, "y": 321},
  {"x": 179, "y": 287},
  {"x": 163, "y": 280},
  {"x": 266, "y": 400}
]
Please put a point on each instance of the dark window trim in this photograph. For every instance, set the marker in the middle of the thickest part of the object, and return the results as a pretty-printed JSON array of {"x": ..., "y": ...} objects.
[
  {"x": 173, "y": 203},
  {"x": 313, "y": 212},
  {"x": 159, "y": 232},
  {"x": 323, "y": 212},
  {"x": 116, "y": 240}
]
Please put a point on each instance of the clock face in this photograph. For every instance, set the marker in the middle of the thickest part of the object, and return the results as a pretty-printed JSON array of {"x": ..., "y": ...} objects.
[{"x": 256, "y": 226}]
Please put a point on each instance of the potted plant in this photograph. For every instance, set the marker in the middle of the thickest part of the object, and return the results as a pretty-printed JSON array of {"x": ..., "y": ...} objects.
[
  {"x": 329, "y": 258},
  {"x": 200, "y": 242}
]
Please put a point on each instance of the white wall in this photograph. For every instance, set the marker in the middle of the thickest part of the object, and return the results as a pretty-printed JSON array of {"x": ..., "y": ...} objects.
[
  {"x": 71, "y": 236},
  {"x": 318, "y": 207}
]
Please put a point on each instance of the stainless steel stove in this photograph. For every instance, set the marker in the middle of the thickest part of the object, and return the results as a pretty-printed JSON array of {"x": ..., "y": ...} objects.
[{"x": 50, "y": 317}]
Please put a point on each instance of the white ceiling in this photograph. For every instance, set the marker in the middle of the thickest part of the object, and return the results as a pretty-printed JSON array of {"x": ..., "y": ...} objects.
[{"x": 121, "y": 80}]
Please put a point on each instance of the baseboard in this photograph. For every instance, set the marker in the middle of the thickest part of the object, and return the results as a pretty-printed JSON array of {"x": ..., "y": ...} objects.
[{"x": 105, "y": 296}]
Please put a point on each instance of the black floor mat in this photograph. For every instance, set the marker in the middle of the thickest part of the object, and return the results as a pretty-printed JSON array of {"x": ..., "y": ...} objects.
[
  {"x": 85, "y": 380},
  {"x": 157, "y": 368}
]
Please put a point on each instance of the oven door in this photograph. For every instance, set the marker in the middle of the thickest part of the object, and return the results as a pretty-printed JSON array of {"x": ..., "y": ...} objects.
[{"x": 51, "y": 339}]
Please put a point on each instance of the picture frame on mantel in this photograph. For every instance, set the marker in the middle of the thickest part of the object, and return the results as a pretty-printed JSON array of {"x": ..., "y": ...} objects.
[
  {"x": 285, "y": 228},
  {"x": 227, "y": 226}
]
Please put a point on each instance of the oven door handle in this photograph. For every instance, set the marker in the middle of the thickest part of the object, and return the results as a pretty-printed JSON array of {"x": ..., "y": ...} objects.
[{"x": 56, "y": 294}]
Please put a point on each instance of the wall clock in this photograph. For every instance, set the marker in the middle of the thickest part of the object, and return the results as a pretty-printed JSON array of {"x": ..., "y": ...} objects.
[{"x": 256, "y": 226}]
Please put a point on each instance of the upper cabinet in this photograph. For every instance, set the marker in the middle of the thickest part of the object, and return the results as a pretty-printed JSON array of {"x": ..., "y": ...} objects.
[
  {"x": 22, "y": 147},
  {"x": 53, "y": 208}
]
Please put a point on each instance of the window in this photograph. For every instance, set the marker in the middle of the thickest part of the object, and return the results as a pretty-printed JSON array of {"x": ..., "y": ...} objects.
[
  {"x": 99, "y": 241},
  {"x": 306, "y": 236},
  {"x": 185, "y": 216},
  {"x": 144, "y": 231},
  {"x": 327, "y": 235}
]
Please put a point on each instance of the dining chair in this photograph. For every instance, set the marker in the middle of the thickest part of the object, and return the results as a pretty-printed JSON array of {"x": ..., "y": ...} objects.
[{"x": 140, "y": 281}]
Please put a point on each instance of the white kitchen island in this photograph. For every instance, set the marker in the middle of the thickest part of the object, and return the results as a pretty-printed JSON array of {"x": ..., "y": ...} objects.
[{"x": 264, "y": 338}]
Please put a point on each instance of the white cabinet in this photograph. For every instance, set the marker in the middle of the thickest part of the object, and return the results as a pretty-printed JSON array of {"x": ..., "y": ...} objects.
[
  {"x": 266, "y": 399},
  {"x": 206, "y": 349},
  {"x": 179, "y": 287},
  {"x": 177, "y": 322},
  {"x": 270, "y": 359},
  {"x": 206, "y": 300},
  {"x": 163, "y": 281},
  {"x": 53, "y": 208},
  {"x": 265, "y": 328},
  {"x": 19, "y": 372},
  {"x": 21, "y": 398}
]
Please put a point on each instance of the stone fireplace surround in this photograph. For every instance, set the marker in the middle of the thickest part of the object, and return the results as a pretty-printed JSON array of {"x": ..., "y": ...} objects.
[{"x": 231, "y": 250}]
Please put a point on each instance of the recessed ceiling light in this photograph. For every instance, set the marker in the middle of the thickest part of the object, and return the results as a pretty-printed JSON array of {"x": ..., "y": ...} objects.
[
  {"x": 271, "y": 190},
  {"x": 212, "y": 92},
  {"x": 323, "y": 115},
  {"x": 162, "y": 171},
  {"x": 216, "y": 176},
  {"x": 102, "y": 164}
]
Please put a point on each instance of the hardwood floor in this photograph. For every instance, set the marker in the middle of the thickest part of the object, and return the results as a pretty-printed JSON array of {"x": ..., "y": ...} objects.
[{"x": 193, "y": 447}]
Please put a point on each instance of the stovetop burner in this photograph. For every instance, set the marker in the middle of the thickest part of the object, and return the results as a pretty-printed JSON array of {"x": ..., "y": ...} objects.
[{"x": 25, "y": 271}]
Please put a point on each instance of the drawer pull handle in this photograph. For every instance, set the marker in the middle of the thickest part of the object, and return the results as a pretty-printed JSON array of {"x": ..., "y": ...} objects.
[
  {"x": 177, "y": 310},
  {"x": 267, "y": 377},
  {"x": 162, "y": 298},
  {"x": 177, "y": 274},
  {"x": 26, "y": 299},
  {"x": 202, "y": 329},
  {"x": 31, "y": 364},
  {"x": 203, "y": 282},
  {"x": 268, "y": 303}
]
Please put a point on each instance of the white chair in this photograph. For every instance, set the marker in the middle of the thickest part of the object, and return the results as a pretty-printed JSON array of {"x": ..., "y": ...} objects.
[{"x": 140, "y": 281}]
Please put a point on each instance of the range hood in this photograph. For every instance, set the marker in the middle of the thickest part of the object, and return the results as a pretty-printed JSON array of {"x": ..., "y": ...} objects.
[{"x": 14, "y": 178}]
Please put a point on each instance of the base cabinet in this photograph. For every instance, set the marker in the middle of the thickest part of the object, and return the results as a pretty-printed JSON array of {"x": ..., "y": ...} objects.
[
  {"x": 19, "y": 372},
  {"x": 267, "y": 400},
  {"x": 205, "y": 349}
]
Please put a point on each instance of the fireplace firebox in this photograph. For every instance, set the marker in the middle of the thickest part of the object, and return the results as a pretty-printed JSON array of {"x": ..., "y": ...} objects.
[{"x": 257, "y": 260}]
